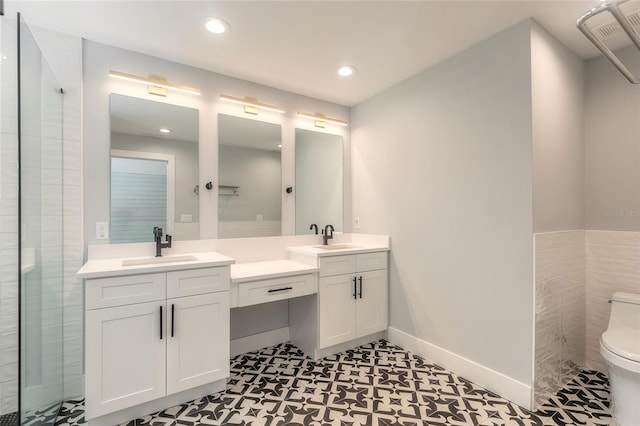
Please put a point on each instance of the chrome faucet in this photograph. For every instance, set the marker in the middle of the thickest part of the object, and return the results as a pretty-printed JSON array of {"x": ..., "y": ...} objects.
[
  {"x": 314, "y": 226},
  {"x": 325, "y": 234},
  {"x": 157, "y": 237}
]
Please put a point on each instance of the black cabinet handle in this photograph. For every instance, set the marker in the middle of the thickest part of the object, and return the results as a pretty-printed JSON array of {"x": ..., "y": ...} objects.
[
  {"x": 360, "y": 279},
  {"x": 161, "y": 322},
  {"x": 172, "y": 317},
  {"x": 355, "y": 294},
  {"x": 275, "y": 290}
]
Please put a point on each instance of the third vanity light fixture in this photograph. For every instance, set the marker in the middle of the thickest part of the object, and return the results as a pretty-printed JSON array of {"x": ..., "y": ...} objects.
[
  {"x": 321, "y": 120},
  {"x": 251, "y": 106},
  {"x": 155, "y": 85}
]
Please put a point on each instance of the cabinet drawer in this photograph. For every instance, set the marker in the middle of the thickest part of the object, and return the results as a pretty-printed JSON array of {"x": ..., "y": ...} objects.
[
  {"x": 337, "y": 265},
  {"x": 197, "y": 281},
  {"x": 117, "y": 291},
  {"x": 371, "y": 261},
  {"x": 263, "y": 291}
]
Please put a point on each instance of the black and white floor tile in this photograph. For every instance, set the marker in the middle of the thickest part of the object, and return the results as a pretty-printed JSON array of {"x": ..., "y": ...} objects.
[{"x": 376, "y": 384}]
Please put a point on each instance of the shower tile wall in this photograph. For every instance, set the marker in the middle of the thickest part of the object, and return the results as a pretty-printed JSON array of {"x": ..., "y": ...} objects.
[
  {"x": 560, "y": 310},
  {"x": 613, "y": 264},
  {"x": 8, "y": 220}
]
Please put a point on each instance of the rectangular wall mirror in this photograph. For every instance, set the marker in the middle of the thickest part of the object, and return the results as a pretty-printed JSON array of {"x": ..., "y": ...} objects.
[
  {"x": 154, "y": 170},
  {"x": 319, "y": 180},
  {"x": 250, "y": 178}
]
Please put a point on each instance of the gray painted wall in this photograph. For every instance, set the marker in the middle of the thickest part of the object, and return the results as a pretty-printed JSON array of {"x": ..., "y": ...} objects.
[
  {"x": 258, "y": 173},
  {"x": 443, "y": 163},
  {"x": 557, "y": 80},
  {"x": 612, "y": 143}
]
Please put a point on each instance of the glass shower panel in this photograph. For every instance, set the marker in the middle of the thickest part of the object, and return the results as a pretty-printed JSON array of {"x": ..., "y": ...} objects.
[
  {"x": 9, "y": 369},
  {"x": 41, "y": 229}
]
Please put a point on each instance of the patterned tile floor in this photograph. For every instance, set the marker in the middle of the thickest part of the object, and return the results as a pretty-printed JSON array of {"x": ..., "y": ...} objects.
[{"x": 376, "y": 384}]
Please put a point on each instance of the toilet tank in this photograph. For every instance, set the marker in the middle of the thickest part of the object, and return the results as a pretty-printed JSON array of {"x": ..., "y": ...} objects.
[{"x": 625, "y": 310}]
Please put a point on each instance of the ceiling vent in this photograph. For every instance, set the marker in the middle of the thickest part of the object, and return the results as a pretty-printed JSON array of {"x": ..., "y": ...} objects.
[{"x": 613, "y": 28}]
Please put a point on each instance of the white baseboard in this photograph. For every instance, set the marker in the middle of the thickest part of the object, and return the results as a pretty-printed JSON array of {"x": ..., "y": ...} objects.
[
  {"x": 259, "y": 341},
  {"x": 505, "y": 386}
]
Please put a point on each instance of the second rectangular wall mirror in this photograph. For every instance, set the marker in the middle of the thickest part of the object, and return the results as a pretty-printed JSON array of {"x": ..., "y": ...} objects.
[
  {"x": 249, "y": 178},
  {"x": 154, "y": 170}
]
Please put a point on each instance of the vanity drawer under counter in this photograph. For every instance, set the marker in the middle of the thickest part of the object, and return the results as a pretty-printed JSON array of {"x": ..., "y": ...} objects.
[
  {"x": 270, "y": 290},
  {"x": 125, "y": 290},
  {"x": 262, "y": 282},
  {"x": 193, "y": 282},
  {"x": 347, "y": 264}
]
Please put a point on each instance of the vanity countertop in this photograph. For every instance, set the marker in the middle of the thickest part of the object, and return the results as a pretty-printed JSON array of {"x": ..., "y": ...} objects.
[
  {"x": 338, "y": 249},
  {"x": 100, "y": 268},
  {"x": 252, "y": 271}
]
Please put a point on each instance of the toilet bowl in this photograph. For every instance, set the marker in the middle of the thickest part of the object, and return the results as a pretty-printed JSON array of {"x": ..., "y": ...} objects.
[{"x": 620, "y": 347}]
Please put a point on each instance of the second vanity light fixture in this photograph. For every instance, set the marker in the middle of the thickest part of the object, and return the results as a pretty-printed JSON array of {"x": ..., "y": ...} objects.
[
  {"x": 155, "y": 85},
  {"x": 321, "y": 120},
  {"x": 251, "y": 106}
]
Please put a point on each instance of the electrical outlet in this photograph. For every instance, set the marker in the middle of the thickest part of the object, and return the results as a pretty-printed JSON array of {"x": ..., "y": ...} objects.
[
  {"x": 356, "y": 222},
  {"x": 102, "y": 230}
]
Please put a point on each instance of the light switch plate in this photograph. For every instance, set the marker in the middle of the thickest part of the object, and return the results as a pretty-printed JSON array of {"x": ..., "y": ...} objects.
[{"x": 102, "y": 230}]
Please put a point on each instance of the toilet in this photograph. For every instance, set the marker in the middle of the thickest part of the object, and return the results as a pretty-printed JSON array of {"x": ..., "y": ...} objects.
[{"x": 620, "y": 347}]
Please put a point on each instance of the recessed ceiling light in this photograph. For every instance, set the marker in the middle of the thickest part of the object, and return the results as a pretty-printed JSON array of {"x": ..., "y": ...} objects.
[
  {"x": 165, "y": 130},
  {"x": 346, "y": 70},
  {"x": 279, "y": 145},
  {"x": 216, "y": 25}
]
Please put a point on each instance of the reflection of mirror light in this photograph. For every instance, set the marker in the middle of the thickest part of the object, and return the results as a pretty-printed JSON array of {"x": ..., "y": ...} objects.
[
  {"x": 165, "y": 130},
  {"x": 216, "y": 25},
  {"x": 320, "y": 119},
  {"x": 346, "y": 70},
  {"x": 252, "y": 104},
  {"x": 153, "y": 82}
]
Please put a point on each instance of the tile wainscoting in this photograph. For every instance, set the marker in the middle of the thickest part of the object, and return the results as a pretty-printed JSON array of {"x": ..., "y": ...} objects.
[
  {"x": 576, "y": 272},
  {"x": 612, "y": 264},
  {"x": 559, "y": 310}
]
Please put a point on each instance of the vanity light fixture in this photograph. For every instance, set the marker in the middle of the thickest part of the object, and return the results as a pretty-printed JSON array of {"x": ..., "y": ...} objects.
[
  {"x": 165, "y": 130},
  {"x": 251, "y": 106},
  {"x": 155, "y": 85},
  {"x": 321, "y": 120}
]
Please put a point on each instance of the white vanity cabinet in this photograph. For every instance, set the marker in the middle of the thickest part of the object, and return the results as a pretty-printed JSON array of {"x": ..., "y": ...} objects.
[
  {"x": 351, "y": 306},
  {"x": 152, "y": 335},
  {"x": 353, "y": 297}
]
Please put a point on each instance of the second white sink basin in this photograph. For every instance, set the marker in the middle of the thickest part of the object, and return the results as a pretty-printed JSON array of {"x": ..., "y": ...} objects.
[
  {"x": 343, "y": 246},
  {"x": 158, "y": 260}
]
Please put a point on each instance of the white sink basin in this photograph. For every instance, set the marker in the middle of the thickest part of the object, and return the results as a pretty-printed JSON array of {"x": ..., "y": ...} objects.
[
  {"x": 158, "y": 260},
  {"x": 343, "y": 246}
]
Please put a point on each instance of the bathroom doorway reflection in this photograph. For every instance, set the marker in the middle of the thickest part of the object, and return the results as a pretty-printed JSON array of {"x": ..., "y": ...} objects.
[{"x": 141, "y": 195}]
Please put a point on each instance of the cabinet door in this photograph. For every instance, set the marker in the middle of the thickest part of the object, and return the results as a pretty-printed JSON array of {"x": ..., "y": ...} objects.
[
  {"x": 125, "y": 357},
  {"x": 337, "y": 322},
  {"x": 198, "y": 340},
  {"x": 372, "y": 307}
]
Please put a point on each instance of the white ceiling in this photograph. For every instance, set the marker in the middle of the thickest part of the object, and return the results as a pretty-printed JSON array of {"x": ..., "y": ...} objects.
[{"x": 297, "y": 45}]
